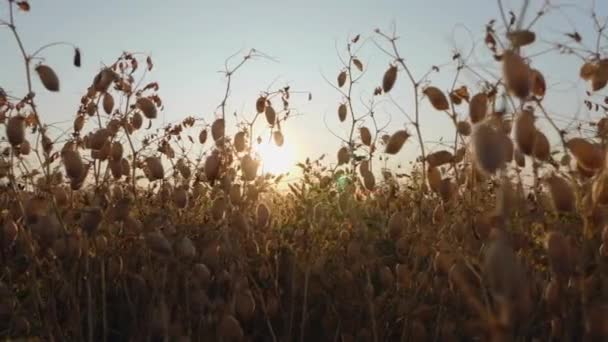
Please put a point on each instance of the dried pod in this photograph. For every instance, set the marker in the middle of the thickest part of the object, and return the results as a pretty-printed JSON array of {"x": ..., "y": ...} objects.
[
  {"x": 103, "y": 79},
  {"x": 263, "y": 215},
  {"x": 541, "y": 149},
  {"x": 525, "y": 131},
  {"x": 558, "y": 254},
  {"x": 15, "y": 130},
  {"x": 504, "y": 273},
  {"x": 343, "y": 155},
  {"x": 249, "y": 167},
  {"x": 147, "y": 107},
  {"x": 184, "y": 248},
  {"x": 74, "y": 167},
  {"x": 488, "y": 148},
  {"x": 366, "y": 136},
  {"x": 155, "y": 168},
  {"x": 358, "y": 64},
  {"x": 521, "y": 37},
  {"x": 229, "y": 329},
  {"x": 561, "y": 193},
  {"x": 108, "y": 103},
  {"x": 587, "y": 71},
  {"x": 342, "y": 111},
  {"x": 245, "y": 305},
  {"x": 539, "y": 86},
  {"x": 508, "y": 148},
  {"x": 439, "y": 158},
  {"x": 260, "y": 104},
  {"x": 589, "y": 156},
  {"x": 463, "y": 128},
  {"x": 137, "y": 120},
  {"x": 25, "y": 148},
  {"x": 478, "y": 107},
  {"x": 341, "y": 78},
  {"x": 78, "y": 123},
  {"x": 599, "y": 190},
  {"x": 519, "y": 158},
  {"x": 433, "y": 177},
  {"x": 117, "y": 150},
  {"x": 240, "y": 141},
  {"x": 90, "y": 219},
  {"x": 278, "y": 138},
  {"x": 212, "y": 167},
  {"x": 271, "y": 115},
  {"x": 98, "y": 139},
  {"x": 389, "y": 78},
  {"x": 396, "y": 141},
  {"x": 180, "y": 197},
  {"x": 369, "y": 181},
  {"x": 437, "y": 98},
  {"x": 516, "y": 74},
  {"x": 218, "y": 129},
  {"x": 364, "y": 167},
  {"x": 48, "y": 77},
  {"x": 396, "y": 225},
  {"x": 158, "y": 244}
]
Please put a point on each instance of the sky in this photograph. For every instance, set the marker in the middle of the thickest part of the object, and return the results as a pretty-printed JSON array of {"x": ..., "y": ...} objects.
[{"x": 190, "y": 40}]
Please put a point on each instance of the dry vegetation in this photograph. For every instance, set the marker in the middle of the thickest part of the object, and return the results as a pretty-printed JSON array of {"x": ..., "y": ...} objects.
[{"x": 501, "y": 237}]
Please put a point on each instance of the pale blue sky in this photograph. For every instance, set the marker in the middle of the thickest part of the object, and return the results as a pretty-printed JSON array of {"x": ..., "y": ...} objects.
[{"x": 189, "y": 41}]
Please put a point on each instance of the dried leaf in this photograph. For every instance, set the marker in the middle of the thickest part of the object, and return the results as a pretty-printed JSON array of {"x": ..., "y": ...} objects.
[
  {"x": 390, "y": 76},
  {"x": 147, "y": 107},
  {"x": 358, "y": 64},
  {"x": 24, "y": 6}
]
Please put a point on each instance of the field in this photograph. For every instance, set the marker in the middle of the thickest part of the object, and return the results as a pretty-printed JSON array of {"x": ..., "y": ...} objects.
[{"x": 118, "y": 231}]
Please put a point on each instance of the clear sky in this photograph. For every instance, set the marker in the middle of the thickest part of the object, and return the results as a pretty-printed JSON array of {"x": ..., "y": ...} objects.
[{"x": 189, "y": 41}]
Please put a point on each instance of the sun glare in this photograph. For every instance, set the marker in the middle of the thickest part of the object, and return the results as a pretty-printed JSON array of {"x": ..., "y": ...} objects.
[{"x": 276, "y": 160}]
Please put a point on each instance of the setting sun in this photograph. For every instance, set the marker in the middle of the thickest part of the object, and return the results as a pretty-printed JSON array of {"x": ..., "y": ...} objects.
[{"x": 276, "y": 160}]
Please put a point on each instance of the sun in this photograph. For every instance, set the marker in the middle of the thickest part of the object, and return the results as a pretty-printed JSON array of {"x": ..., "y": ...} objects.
[{"x": 276, "y": 160}]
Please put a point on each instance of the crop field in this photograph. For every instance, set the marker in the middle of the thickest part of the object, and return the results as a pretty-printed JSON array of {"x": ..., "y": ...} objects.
[{"x": 125, "y": 229}]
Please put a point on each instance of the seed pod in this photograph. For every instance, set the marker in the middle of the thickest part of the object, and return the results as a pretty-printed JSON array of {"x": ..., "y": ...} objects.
[
  {"x": 260, "y": 104},
  {"x": 341, "y": 78},
  {"x": 147, "y": 107},
  {"x": 516, "y": 74},
  {"x": 155, "y": 169},
  {"x": 561, "y": 193},
  {"x": 263, "y": 215},
  {"x": 519, "y": 158},
  {"x": 74, "y": 167},
  {"x": 438, "y": 158},
  {"x": 389, "y": 78},
  {"x": 104, "y": 78},
  {"x": 90, "y": 219},
  {"x": 433, "y": 177},
  {"x": 278, "y": 138},
  {"x": 478, "y": 107},
  {"x": 108, "y": 103},
  {"x": 396, "y": 141},
  {"x": 437, "y": 98},
  {"x": 396, "y": 225},
  {"x": 587, "y": 71},
  {"x": 116, "y": 168},
  {"x": 521, "y": 37},
  {"x": 137, "y": 120},
  {"x": 504, "y": 274},
  {"x": 180, "y": 197},
  {"x": 369, "y": 181},
  {"x": 25, "y": 148},
  {"x": 539, "y": 87},
  {"x": 48, "y": 77},
  {"x": 218, "y": 208},
  {"x": 158, "y": 244},
  {"x": 366, "y": 136},
  {"x": 558, "y": 254},
  {"x": 364, "y": 167},
  {"x": 184, "y": 248},
  {"x": 217, "y": 129},
  {"x": 239, "y": 141},
  {"x": 447, "y": 190},
  {"x": 249, "y": 167},
  {"x": 78, "y": 123},
  {"x": 98, "y": 138},
  {"x": 463, "y": 128},
  {"x": 508, "y": 148},
  {"x": 245, "y": 305},
  {"x": 271, "y": 115},
  {"x": 358, "y": 64},
  {"x": 541, "y": 149},
  {"x": 342, "y": 111},
  {"x": 459, "y": 156},
  {"x": 61, "y": 196},
  {"x": 15, "y": 130},
  {"x": 525, "y": 132},
  {"x": 229, "y": 329},
  {"x": 343, "y": 156},
  {"x": 117, "y": 151},
  {"x": 587, "y": 154},
  {"x": 212, "y": 167},
  {"x": 488, "y": 148}
]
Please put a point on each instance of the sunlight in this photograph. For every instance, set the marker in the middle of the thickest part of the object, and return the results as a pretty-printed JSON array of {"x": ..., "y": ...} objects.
[{"x": 276, "y": 160}]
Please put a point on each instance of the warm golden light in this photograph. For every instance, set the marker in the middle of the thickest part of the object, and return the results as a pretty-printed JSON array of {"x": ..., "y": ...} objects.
[{"x": 276, "y": 160}]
